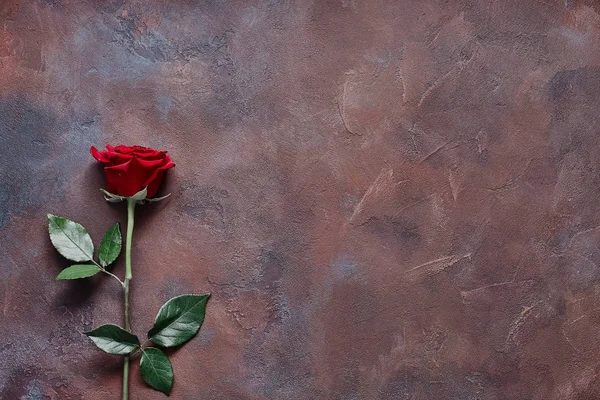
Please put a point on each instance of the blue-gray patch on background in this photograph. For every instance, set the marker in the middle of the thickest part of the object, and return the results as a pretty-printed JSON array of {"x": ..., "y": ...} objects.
[
  {"x": 206, "y": 335},
  {"x": 4, "y": 208},
  {"x": 344, "y": 268},
  {"x": 115, "y": 57},
  {"x": 42, "y": 155},
  {"x": 164, "y": 105},
  {"x": 34, "y": 391},
  {"x": 173, "y": 286}
]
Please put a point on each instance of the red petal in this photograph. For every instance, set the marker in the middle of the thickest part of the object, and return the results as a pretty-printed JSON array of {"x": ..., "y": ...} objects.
[
  {"x": 124, "y": 178},
  {"x": 150, "y": 164},
  {"x": 117, "y": 158},
  {"x": 124, "y": 149},
  {"x": 155, "y": 180},
  {"x": 98, "y": 155}
]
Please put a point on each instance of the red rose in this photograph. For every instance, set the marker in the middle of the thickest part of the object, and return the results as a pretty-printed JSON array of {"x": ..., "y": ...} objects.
[{"x": 130, "y": 169}]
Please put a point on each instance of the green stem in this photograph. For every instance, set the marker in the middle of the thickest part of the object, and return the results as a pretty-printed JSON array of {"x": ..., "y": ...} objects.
[
  {"x": 128, "y": 275},
  {"x": 109, "y": 273},
  {"x": 130, "y": 209},
  {"x": 126, "y": 295},
  {"x": 125, "y": 378}
]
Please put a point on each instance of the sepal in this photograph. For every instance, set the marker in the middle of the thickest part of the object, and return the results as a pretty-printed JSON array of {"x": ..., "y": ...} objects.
[
  {"x": 112, "y": 198},
  {"x": 141, "y": 195},
  {"x": 157, "y": 199}
]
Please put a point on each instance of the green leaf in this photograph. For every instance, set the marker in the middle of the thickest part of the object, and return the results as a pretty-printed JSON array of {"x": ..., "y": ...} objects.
[
  {"x": 78, "y": 271},
  {"x": 70, "y": 239},
  {"x": 114, "y": 339},
  {"x": 110, "y": 248},
  {"x": 178, "y": 320},
  {"x": 156, "y": 370}
]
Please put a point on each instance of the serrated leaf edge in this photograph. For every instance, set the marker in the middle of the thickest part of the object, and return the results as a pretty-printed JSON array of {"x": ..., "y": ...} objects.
[
  {"x": 91, "y": 258},
  {"x": 118, "y": 225},
  {"x": 77, "y": 265},
  {"x": 144, "y": 353},
  {"x": 90, "y": 335},
  {"x": 208, "y": 295}
]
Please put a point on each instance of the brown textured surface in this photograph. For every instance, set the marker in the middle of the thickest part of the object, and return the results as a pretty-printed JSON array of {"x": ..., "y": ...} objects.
[{"x": 387, "y": 199}]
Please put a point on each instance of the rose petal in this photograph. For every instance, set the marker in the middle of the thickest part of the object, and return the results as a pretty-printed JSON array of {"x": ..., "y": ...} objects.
[
  {"x": 117, "y": 158},
  {"x": 127, "y": 179},
  {"x": 148, "y": 153},
  {"x": 151, "y": 164},
  {"x": 169, "y": 164},
  {"x": 156, "y": 156},
  {"x": 98, "y": 155},
  {"x": 139, "y": 175},
  {"x": 124, "y": 149},
  {"x": 144, "y": 149},
  {"x": 155, "y": 180}
]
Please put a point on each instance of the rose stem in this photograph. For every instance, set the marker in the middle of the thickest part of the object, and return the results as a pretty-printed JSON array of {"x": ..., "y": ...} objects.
[{"x": 130, "y": 212}]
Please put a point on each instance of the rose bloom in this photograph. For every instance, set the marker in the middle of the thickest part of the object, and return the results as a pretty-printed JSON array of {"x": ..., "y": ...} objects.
[{"x": 130, "y": 169}]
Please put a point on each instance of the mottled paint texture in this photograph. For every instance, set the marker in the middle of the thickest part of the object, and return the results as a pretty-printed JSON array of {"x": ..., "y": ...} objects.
[{"x": 388, "y": 199}]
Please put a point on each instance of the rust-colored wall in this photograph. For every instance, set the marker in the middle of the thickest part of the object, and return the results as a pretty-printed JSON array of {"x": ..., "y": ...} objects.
[{"x": 387, "y": 199}]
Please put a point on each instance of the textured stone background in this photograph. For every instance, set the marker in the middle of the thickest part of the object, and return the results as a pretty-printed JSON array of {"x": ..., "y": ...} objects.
[{"x": 387, "y": 199}]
